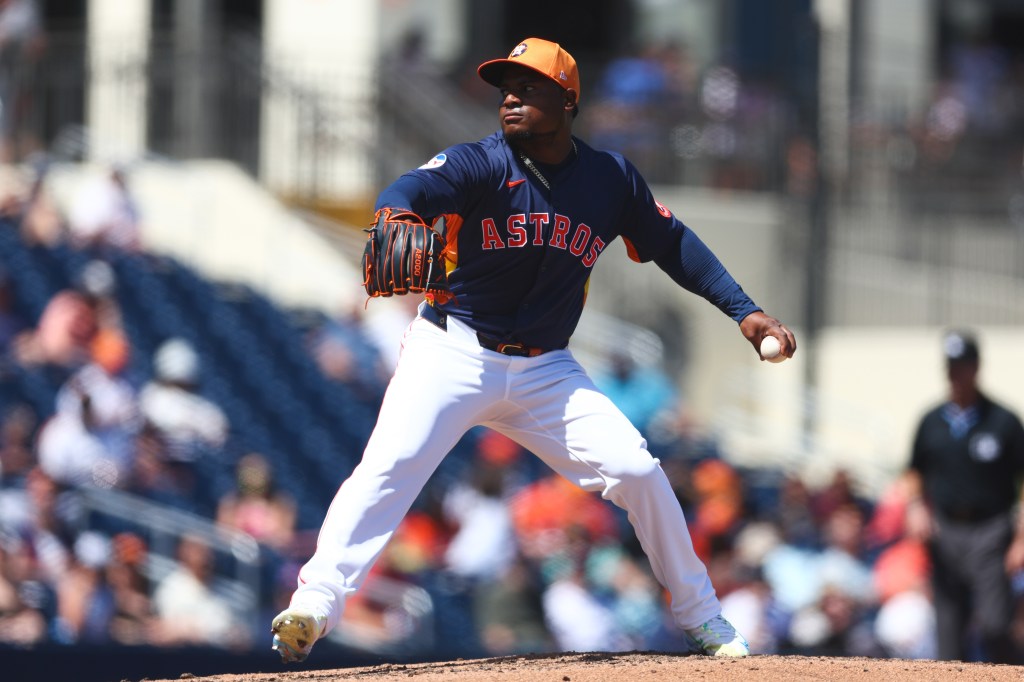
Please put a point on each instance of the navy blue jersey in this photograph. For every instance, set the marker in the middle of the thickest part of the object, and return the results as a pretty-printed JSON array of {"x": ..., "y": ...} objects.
[{"x": 520, "y": 254}]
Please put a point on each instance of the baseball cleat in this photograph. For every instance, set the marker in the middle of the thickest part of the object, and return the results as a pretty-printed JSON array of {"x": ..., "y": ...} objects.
[
  {"x": 718, "y": 637},
  {"x": 295, "y": 633}
]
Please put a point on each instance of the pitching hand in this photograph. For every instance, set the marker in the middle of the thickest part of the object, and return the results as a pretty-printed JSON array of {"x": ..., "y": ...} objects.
[{"x": 756, "y": 326}]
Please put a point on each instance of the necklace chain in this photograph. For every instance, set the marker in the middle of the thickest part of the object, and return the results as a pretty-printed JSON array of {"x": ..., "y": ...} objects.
[{"x": 528, "y": 162}]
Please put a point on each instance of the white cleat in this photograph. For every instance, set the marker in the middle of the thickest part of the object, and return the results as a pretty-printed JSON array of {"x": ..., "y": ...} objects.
[
  {"x": 295, "y": 633},
  {"x": 718, "y": 637}
]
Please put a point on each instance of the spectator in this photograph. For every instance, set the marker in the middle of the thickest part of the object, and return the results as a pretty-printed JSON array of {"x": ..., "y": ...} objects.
[
  {"x": 888, "y": 517},
  {"x": 719, "y": 499},
  {"x": 42, "y": 221},
  {"x": 905, "y": 626},
  {"x": 675, "y": 434},
  {"x": 133, "y": 620},
  {"x": 26, "y": 601},
  {"x": 751, "y": 605},
  {"x": 980, "y": 67},
  {"x": 828, "y": 592},
  {"x": 75, "y": 323},
  {"x": 44, "y": 518},
  {"x": 640, "y": 392},
  {"x": 576, "y": 618},
  {"x": 641, "y": 94},
  {"x": 158, "y": 477},
  {"x": 903, "y": 566},
  {"x": 964, "y": 481},
  {"x": 794, "y": 513},
  {"x": 630, "y": 590},
  {"x": 547, "y": 514},
  {"x": 8, "y": 588},
  {"x": 104, "y": 215},
  {"x": 257, "y": 507},
  {"x": 63, "y": 334},
  {"x": 12, "y": 191},
  {"x": 172, "y": 404},
  {"x": 509, "y": 612},
  {"x": 112, "y": 397},
  {"x": 484, "y": 544},
  {"x": 90, "y": 439},
  {"x": 789, "y": 570},
  {"x": 346, "y": 351},
  {"x": 385, "y": 326},
  {"x": 84, "y": 601},
  {"x": 843, "y": 565},
  {"x": 376, "y": 616},
  {"x": 11, "y": 322},
  {"x": 186, "y": 597},
  {"x": 17, "y": 456},
  {"x": 905, "y": 623},
  {"x": 98, "y": 281},
  {"x": 838, "y": 493},
  {"x": 37, "y": 532}
]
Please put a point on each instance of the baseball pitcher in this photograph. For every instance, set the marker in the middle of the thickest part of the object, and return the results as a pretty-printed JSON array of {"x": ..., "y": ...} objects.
[{"x": 500, "y": 237}]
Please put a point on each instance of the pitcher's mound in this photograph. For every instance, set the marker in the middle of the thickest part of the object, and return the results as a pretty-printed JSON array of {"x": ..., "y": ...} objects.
[{"x": 634, "y": 667}]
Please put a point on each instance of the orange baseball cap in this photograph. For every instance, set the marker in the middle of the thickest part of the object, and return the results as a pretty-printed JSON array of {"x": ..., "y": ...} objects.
[{"x": 543, "y": 56}]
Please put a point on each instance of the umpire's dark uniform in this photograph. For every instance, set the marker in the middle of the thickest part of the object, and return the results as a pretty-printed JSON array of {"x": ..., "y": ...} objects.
[{"x": 970, "y": 460}]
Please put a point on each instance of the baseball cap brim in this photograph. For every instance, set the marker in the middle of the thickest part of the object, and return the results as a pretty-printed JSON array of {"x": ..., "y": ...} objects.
[
  {"x": 541, "y": 56},
  {"x": 493, "y": 70}
]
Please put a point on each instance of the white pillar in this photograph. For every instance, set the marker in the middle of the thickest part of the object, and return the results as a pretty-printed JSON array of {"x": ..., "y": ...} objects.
[
  {"x": 897, "y": 55},
  {"x": 834, "y": 86},
  {"x": 329, "y": 48},
  {"x": 118, "y": 44}
]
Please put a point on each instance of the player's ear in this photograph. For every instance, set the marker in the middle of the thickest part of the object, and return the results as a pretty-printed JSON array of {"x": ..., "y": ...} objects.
[{"x": 570, "y": 99}]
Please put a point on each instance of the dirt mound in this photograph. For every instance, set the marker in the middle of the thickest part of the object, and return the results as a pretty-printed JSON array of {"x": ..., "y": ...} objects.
[{"x": 628, "y": 667}]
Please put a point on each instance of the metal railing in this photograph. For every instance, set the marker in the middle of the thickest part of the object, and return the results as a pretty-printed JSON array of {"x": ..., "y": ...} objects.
[{"x": 164, "y": 527}]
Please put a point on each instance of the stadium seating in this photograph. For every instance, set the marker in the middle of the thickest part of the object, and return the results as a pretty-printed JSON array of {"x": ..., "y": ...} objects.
[{"x": 255, "y": 365}]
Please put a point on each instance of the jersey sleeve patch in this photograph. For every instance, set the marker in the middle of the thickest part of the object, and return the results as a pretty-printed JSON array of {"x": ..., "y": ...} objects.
[
  {"x": 435, "y": 162},
  {"x": 662, "y": 209}
]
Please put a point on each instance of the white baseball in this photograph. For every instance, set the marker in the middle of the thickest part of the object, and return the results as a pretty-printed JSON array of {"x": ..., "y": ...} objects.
[{"x": 771, "y": 350}]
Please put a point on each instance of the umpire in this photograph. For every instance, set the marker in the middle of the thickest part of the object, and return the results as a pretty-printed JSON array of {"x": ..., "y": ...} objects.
[{"x": 963, "y": 481}]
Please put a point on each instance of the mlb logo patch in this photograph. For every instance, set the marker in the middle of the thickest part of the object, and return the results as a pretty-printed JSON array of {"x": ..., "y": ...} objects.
[
  {"x": 435, "y": 162},
  {"x": 520, "y": 49}
]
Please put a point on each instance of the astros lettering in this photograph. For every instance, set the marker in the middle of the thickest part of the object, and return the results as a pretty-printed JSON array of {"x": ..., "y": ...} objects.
[{"x": 521, "y": 230}]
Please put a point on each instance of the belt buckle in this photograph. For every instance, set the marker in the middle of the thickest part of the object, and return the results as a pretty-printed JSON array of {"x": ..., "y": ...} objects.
[{"x": 512, "y": 349}]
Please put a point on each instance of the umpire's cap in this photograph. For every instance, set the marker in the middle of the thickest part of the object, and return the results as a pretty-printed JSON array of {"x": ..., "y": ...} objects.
[
  {"x": 960, "y": 346},
  {"x": 543, "y": 56}
]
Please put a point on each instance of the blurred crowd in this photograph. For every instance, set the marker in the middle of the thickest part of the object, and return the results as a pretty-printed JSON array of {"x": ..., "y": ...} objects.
[
  {"x": 710, "y": 125},
  {"x": 117, "y": 422},
  {"x": 516, "y": 559}
]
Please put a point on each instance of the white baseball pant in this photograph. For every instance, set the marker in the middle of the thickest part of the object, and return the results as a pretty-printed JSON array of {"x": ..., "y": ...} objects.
[{"x": 444, "y": 385}]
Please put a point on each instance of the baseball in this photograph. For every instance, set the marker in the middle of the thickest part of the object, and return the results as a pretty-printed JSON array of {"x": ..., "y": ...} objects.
[{"x": 771, "y": 350}]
